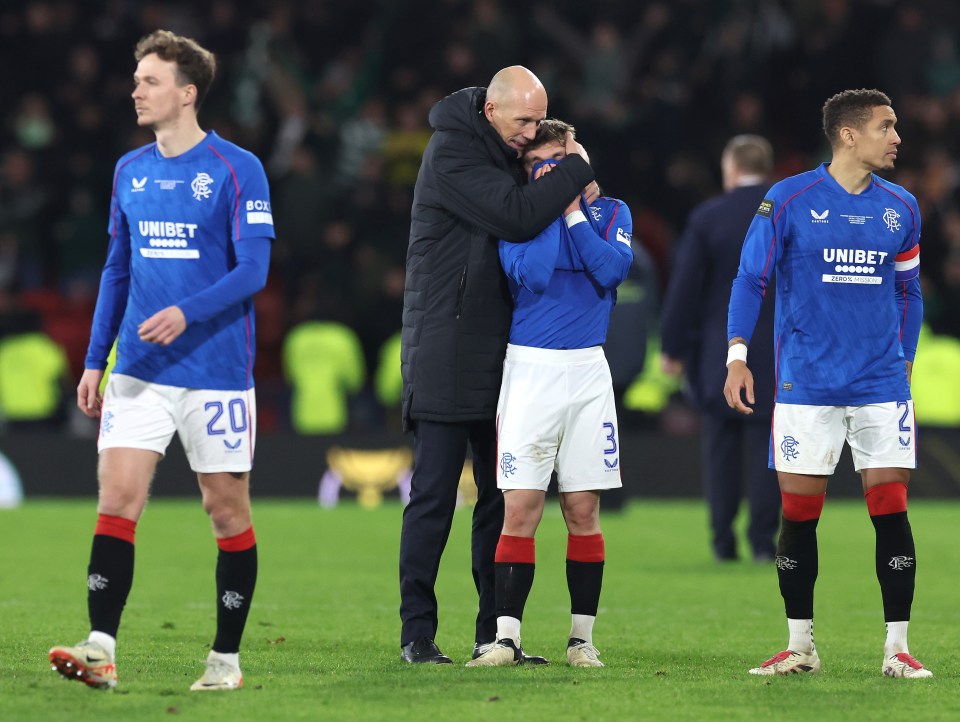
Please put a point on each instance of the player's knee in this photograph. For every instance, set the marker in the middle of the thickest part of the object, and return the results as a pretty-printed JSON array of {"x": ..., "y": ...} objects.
[
  {"x": 520, "y": 521},
  {"x": 228, "y": 516},
  {"x": 582, "y": 517},
  {"x": 229, "y": 521},
  {"x": 583, "y": 521},
  {"x": 581, "y": 511},
  {"x": 121, "y": 499}
]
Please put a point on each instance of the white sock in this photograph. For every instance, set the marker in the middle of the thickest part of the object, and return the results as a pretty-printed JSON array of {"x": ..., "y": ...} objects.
[
  {"x": 509, "y": 628},
  {"x": 581, "y": 627},
  {"x": 232, "y": 659},
  {"x": 106, "y": 641},
  {"x": 896, "y": 639},
  {"x": 801, "y": 636}
]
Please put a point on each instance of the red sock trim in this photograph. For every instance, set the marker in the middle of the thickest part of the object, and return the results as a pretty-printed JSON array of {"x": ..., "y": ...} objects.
[
  {"x": 587, "y": 548},
  {"x": 116, "y": 526},
  {"x": 889, "y": 498},
  {"x": 239, "y": 543},
  {"x": 802, "y": 508},
  {"x": 516, "y": 550}
]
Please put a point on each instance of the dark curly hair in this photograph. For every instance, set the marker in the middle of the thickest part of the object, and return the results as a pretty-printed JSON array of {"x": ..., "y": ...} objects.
[{"x": 852, "y": 108}]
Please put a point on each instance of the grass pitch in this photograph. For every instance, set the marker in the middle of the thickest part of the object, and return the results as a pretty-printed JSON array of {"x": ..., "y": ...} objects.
[{"x": 677, "y": 631}]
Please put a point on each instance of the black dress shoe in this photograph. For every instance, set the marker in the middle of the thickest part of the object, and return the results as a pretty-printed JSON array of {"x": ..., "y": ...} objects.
[
  {"x": 423, "y": 650},
  {"x": 481, "y": 647}
]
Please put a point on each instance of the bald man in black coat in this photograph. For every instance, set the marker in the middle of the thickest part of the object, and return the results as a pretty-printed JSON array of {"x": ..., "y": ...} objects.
[{"x": 456, "y": 320}]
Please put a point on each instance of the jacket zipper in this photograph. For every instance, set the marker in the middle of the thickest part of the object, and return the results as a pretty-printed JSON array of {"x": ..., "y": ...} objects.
[{"x": 460, "y": 291}]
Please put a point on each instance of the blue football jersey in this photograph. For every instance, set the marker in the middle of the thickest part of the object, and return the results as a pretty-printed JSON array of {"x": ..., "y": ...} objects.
[
  {"x": 848, "y": 304},
  {"x": 174, "y": 223},
  {"x": 564, "y": 281}
]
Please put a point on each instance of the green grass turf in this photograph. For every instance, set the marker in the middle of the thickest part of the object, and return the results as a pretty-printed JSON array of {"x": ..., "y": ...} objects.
[{"x": 677, "y": 631}]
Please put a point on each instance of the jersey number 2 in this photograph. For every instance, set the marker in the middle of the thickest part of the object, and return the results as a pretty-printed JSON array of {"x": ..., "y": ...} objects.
[{"x": 906, "y": 410}]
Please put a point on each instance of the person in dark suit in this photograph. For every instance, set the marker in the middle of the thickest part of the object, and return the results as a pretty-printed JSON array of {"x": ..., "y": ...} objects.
[
  {"x": 694, "y": 332},
  {"x": 456, "y": 319}
]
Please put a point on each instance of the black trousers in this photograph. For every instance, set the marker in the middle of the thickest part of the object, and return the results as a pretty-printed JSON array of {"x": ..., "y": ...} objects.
[
  {"x": 734, "y": 451},
  {"x": 439, "y": 451}
]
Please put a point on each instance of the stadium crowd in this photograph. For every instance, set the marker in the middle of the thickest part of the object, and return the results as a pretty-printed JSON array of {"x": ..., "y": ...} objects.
[{"x": 333, "y": 97}]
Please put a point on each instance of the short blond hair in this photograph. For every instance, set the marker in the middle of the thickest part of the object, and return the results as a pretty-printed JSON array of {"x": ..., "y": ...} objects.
[{"x": 751, "y": 154}]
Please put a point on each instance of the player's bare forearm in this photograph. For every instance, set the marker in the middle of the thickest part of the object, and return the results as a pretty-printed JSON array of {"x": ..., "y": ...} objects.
[
  {"x": 737, "y": 339},
  {"x": 909, "y": 371},
  {"x": 88, "y": 392},
  {"x": 739, "y": 379},
  {"x": 571, "y": 146},
  {"x": 591, "y": 192}
]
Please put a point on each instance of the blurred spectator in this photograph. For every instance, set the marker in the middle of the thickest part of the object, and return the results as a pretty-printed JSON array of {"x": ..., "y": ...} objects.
[
  {"x": 81, "y": 238},
  {"x": 23, "y": 218},
  {"x": 35, "y": 379},
  {"x": 324, "y": 365},
  {"x": 494, "y": 35},
  {"x": 33, "y": 125},
  {"x": 937, "y": 403}
]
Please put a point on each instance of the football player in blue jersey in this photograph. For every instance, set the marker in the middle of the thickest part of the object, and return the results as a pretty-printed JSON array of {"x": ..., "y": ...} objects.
[
  {"x": 556, "y": 410},
  {"x": 190, "y": 236},
  {"x": 846, "y": 248}
]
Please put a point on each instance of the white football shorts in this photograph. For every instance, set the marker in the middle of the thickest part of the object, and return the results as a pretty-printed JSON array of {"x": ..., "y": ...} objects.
[
  {"x": 556, "y": 412},
  {"x": 218, "y": 429},
  {"x": 809, "y": 439}
]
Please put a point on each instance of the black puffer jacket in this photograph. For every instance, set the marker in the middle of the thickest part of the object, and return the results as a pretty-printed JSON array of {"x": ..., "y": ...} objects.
[{"x": 456, "y": 306}]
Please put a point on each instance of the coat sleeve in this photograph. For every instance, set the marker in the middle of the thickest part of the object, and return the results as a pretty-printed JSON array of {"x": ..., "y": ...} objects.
[
  {"x": 474, "y": 189},
  {"x": 684, "y": 297}
]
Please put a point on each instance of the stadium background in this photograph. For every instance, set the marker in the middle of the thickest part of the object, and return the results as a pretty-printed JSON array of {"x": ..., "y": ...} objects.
[{"x": 333, "y": 97}]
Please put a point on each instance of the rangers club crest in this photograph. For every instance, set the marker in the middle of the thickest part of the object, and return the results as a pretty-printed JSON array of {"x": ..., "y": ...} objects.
[
  {"x": 97, "y": 582},
  {"x": 892, "y": 219},
  {"x": 232, "y": 600},
  {"x": 789, "y": 448},
  {"x": 898, "y": 564},
  {"x": 201, "y": 186},
  {"x": 507, "y": 463}
]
